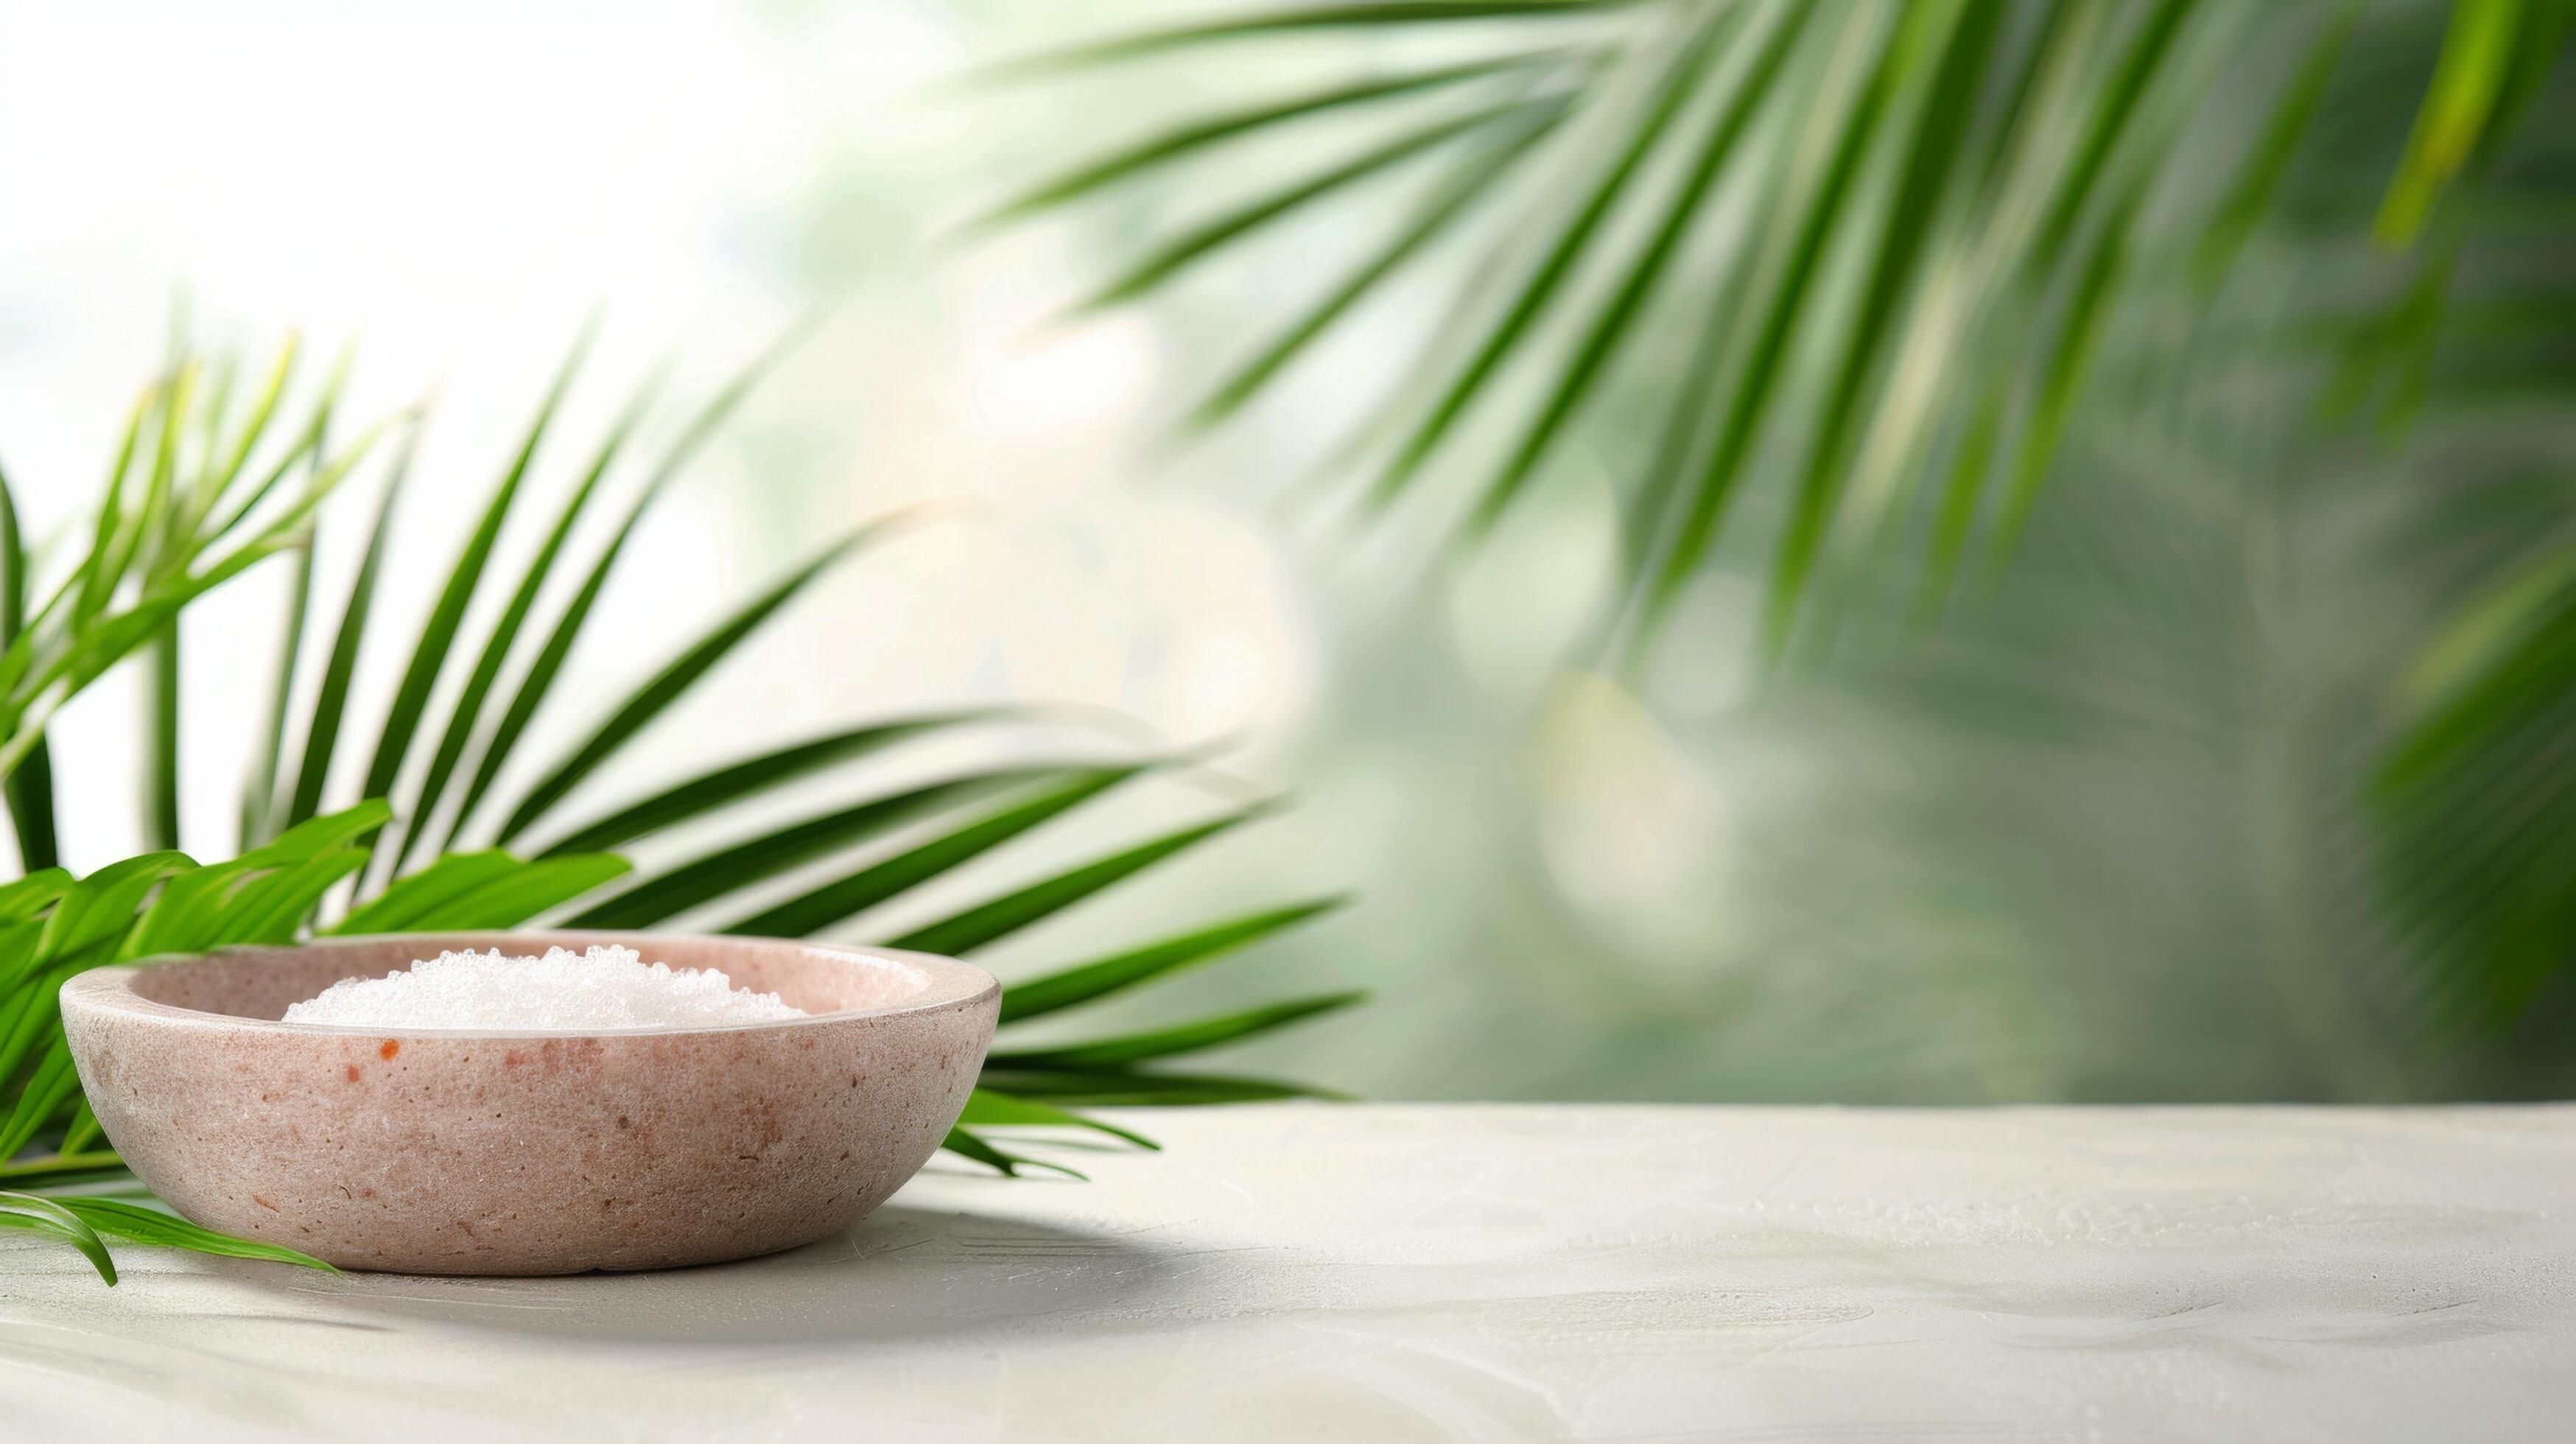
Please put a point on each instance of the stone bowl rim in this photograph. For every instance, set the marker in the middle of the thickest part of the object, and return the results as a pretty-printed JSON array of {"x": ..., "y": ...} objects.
[{"x": 947, "y": 984}]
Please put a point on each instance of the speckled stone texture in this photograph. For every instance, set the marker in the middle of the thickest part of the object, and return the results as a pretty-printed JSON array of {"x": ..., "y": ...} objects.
[{"x": 488, "y": 1153}]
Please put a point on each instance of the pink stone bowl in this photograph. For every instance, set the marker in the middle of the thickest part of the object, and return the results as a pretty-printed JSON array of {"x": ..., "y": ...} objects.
[{"x": 441, "y": 1151}]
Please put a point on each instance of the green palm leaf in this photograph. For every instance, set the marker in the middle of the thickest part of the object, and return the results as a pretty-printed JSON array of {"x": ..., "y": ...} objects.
[
  {"x": 32, "y": 894},
  {"x": 51, "y": 1090},
  {"x": 259, "y": 787},
  {"x": 1208, "y": 236},
  {"x": 1672, "y": 93},
  {"x": 968, "y": 1145},
  {"x": 307, "y": 451},
  {"x": 540, "y": 677},
  {"x": 530, "y": 889},
  {"x": 1175, "y": 145},
  {"x": 730, "y": 784},
  {"x": 261, "y": 896},
  {"x": 273, "y": 909},
  {"x": 2258, "y": 179},
  {"x": 1940, "y": 130},
  {"x": 1301, "y": 18},
  {"x": 1763, "y": 367},
  {"x": 469, "y": 891},
  {"x": 676, "y": 678},
  {"x": 988, "y": 1109},
  {"x": 1500, "y": 153},
  {"x": 100, "y": 907},
  {"x": 1127, "y": 1088},
  {"x": 879, "y": 882},
  {"x": 463, "y": 717},
  {"x": 1610, "y": 327},
  {"x": 331, "y": 703},
  {"x": 51, "y": 1216},
  {"x": 744, "y": 864},
  {"x": 2476, "y": 56},
  {"x": 30, "y": 789},
  {"x": 2079, "y": 337},
  {"x": 136, "y": 1223},
  {"x": 1082, "y": 983},
  {"x": 2001, "y": 169},
  {"x": 438, "y": 633},
  {"x": 1170, "y": 1042},
  {"x": 989, "y": 922}
]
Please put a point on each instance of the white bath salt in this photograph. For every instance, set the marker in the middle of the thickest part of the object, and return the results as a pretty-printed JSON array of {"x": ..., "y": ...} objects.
[{"x": 564, "y": 991}]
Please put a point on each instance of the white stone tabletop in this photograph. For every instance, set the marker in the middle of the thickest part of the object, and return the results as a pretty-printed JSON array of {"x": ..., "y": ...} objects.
[{"x": 1383, "y": 1272}]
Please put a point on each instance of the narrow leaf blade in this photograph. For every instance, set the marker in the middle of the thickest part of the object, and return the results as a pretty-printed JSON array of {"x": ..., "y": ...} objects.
[
  {"x": 52, "y": 1216},
  {"x": 541, "y": 673},
  {"x": 847, "y": 896},
  {"x": 988, "y": 1109},
  {"x": 136, "y": 1223},
  {"x": 730, "y": 869},
  {"x": 529, "y": 889},
  {"x": 401, "y": 907},
  {"x": 438, "y": 634},
  {"x": 1185, "y": 1038},
  {"x": 1069, "y": 987},
  {"x": 675, "y": 679},
  {"x": 992, "y": 921},
  {"x": 752, "y": 776}
]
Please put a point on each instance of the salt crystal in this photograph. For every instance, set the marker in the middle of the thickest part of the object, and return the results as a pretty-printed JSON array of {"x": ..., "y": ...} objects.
[{"x": 564, "y": 991}]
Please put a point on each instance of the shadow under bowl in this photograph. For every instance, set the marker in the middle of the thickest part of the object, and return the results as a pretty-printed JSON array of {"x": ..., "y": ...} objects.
[{"x": 494, "y": 1152}]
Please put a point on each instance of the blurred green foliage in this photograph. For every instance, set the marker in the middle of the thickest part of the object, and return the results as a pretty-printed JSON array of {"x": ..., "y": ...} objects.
[{"x": 2145, "y": 427}]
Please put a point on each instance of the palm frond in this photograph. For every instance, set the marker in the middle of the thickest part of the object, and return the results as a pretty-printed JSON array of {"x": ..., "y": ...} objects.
[
  {"x": 1671, "y": 92},
  {"x": 51, "y": 1216},
  {"x": 1169, "y": 1042},
  {"x": 124, "y": 594},
  {"x": 989, "y": 922},
  {"x": 1761, "y": 369},
  {"x": 988, "y": 1109},
  {"x": 2478, "y": 793},
  {"x": 1172, "y": 146},
  {"x": 539, "y": 678},
  {"x": 731, "y": 869},
  {"x": 1168, "y": 260},
  {"x": 882, "y": 881},
  {"x": 331, "y": 702},
  {"x": 30, "y": 789},
  {"x": 1083, "y": 982},
  {"x": 466, "y": 714},
  {"x": 438, "y": 632},
  {"x": 735, "y": 781},
  {"x": 967, "y": 1144},
  {"x": 1498, "y": 154},
  {"x": 1290, "y": 20},
  {"x": 676, "y": 678},
  {"x": 2258, "y": 178},
  {"x": 1945, "y": 218},
  {"x": 1136, "y": 1088},
  {"x": 2004, "y": 217},
  {"x": 2476, "y": 56},
  {"x": 139, "y": 1223}
]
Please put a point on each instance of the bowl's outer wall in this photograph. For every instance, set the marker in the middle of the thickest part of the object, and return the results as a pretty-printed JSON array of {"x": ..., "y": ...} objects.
[{"x": 461, "y": 1154}]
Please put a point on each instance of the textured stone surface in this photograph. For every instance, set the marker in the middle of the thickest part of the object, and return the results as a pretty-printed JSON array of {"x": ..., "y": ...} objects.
[
  {"x": 493, "y": 1153},
  {"x": 1412, "y": 1273}
]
